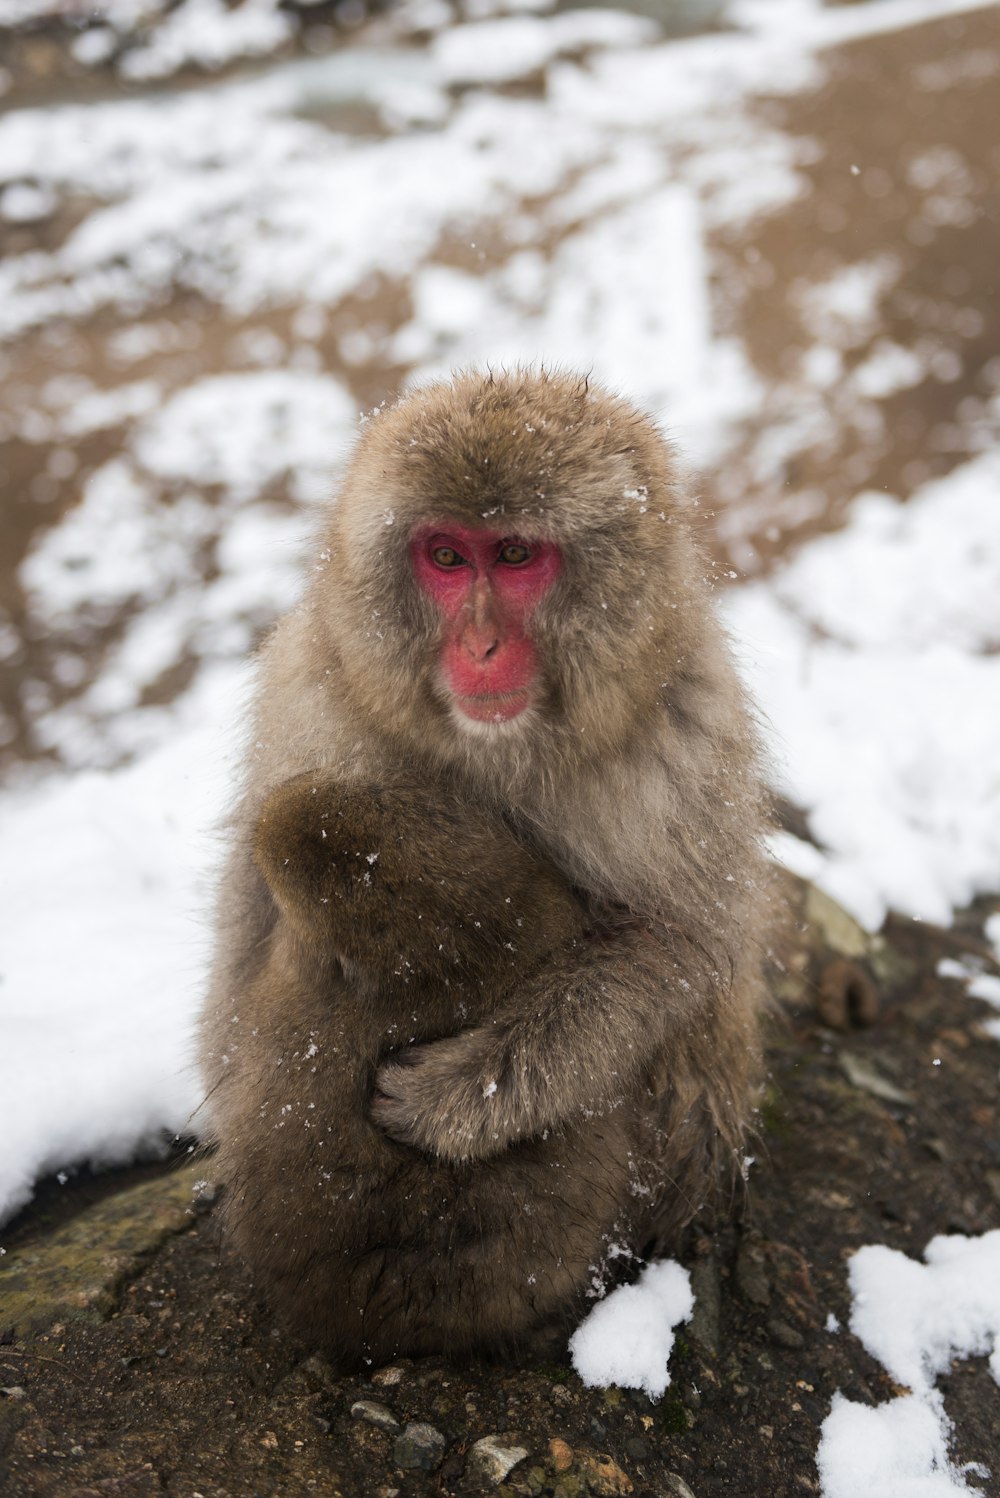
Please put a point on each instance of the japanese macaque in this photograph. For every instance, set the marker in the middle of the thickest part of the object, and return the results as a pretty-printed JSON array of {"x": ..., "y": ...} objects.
[{"x": 484, "y": 1010}]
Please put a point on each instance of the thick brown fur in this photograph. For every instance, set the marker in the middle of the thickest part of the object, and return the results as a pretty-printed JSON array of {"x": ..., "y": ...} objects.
[{"x": 437, "y": 1144}]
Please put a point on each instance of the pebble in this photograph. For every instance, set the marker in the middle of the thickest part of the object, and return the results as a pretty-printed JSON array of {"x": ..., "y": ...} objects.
[
  {"x": 375, "y": 1414},
  {"x": 704, "y": 1323},
  {"x": 677, "y": 1487},
  {"x": 604, "y": 1476},
  {"x": 785, "y": 1335},
  {"x": 420, "y": 1447},
  {"x": 751, "y": 1275},
  {"x": 561, "y": 1454},
  {"x": 492, "y": 1459}
]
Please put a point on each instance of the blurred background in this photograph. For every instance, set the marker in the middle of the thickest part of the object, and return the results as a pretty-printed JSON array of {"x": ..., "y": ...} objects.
[{"x": 228, "y": 229}]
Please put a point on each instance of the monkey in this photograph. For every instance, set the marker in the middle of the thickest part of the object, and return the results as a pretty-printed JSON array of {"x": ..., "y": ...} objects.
[{"x": 485, "y": 1004}]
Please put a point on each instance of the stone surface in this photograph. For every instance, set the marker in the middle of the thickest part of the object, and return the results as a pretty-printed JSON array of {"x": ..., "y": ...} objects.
[
  {"x": 864, "y": 1075},
  {"x": 492, "y": 1458},
  {"x": 838, "y": 931},
  {"x": 420, "y": 1447},
  {"x": 77, "y": 1269},
  {"x": 374, "y": 1413},
  {"x": 677, "y": 1487},
  {"x": 751, "y": 1272},
  {"x": 703, "y": 1326}
]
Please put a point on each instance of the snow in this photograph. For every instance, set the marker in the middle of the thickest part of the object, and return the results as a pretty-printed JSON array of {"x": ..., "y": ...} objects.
[
  {"x": 915, "y": 1319},
  {"x": 897, "y": 1450},
  {"x": 864, "y": 652},
  {"x": 978, "y": 983},
  {"x": 210, "y": 569},
  {"x": 98, "y": 1014},
  {"x": 502, "y": 50},
  {"x": 628, "y": 1337},
  {"x": 210, "y": 34}
]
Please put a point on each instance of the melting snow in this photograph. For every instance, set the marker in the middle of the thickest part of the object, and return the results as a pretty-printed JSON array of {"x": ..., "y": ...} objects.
[
  {"x": 628, "y": 1337},
  {"x": 915, "y": 1318}
]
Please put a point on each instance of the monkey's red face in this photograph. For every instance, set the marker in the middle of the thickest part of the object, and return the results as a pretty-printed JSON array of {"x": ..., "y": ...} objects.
[{"x": 486, "y": 585}]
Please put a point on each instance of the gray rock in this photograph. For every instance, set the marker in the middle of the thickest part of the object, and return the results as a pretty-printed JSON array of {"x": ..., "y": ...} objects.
[
  {"x": 840, "y": 931},
  {"x": 492, "y": 1458},
  {"x": 751, "y": 1274},
  {"x": 677, "y": 1487},
  {"x": 419, "y": 1448},
  {"x": 860, "y": 1072},
  {"x": 78, "y": 1269},
  {"x": 374, "y": 1413},
  {"x": 785, "y": 1335},
  {"x": 703, "y": 1327}
]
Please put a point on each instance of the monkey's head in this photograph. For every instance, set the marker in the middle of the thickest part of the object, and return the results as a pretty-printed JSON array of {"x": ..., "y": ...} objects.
[{"x": 508, "y": 560}]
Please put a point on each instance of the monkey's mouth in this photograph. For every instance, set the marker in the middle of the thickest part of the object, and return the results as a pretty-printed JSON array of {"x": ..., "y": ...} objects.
[{"x": 493, "y": 707}]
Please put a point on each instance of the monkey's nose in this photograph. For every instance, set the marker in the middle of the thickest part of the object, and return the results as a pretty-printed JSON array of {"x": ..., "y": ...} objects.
[{"x": 480, "y": 643}]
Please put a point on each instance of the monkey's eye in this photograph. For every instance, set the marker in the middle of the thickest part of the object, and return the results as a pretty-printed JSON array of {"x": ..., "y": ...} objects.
[
  {"x": 446, "y": 556},
  {"x": 513, "y": 554}
]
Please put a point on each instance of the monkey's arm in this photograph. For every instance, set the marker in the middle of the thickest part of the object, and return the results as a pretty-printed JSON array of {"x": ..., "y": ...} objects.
[
  {"x": 402, "y": 878},
  {"x": 583, "y": 1032}
]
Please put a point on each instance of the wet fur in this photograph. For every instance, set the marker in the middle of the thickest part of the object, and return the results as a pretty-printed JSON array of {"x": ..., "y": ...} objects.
[{"x": 432, "y": 1145}]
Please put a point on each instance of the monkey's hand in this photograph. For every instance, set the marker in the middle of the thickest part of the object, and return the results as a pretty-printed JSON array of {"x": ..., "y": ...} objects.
[
  {"x": 572, "y": 1043},
  {"x": 454, "y": 1098}
]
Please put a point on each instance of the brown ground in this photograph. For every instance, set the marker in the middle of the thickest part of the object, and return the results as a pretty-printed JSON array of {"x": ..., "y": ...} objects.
[{"x": 900, "y": 166}]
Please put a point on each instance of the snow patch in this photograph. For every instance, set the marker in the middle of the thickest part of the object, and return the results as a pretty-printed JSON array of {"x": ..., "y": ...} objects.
[
  {"x": 915, "y": 1318},
  {"x": 864, "y": 652},
  {"x": 628, "y": 1337}
]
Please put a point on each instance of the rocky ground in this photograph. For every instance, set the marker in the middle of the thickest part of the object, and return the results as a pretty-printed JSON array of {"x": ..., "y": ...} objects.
[{"x": 135, "y": 1358}]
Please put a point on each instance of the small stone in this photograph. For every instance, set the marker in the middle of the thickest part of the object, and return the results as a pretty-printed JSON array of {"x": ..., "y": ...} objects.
[
  {"x": 561, "y": 1454},
  {"x": 704, "y": 1324},
  {"x": 269, "y": 1440},
  {"x": 604, "y": 1477},
  {"x": 861, "y": 1074},
  {"x": 385, "y": 1378},
  {"x": 318, "y": 1370},
  {"x": 637, "y": 1450},
  {"x": 751, "y": 1275},
  {"x": 15, "y": 1391},
  {"x": 420, "y": 1447},
  {"x": 676, "y": 1486},
  {"x": 491, "y": 1458},
  {"x": 375, "y": 1414},
  {"x": 846, "y": 996},
  {"x": 837, "y": 929},
  {"x": 204, "y": 1195},
  {"x": 785, "y": 1335}
]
